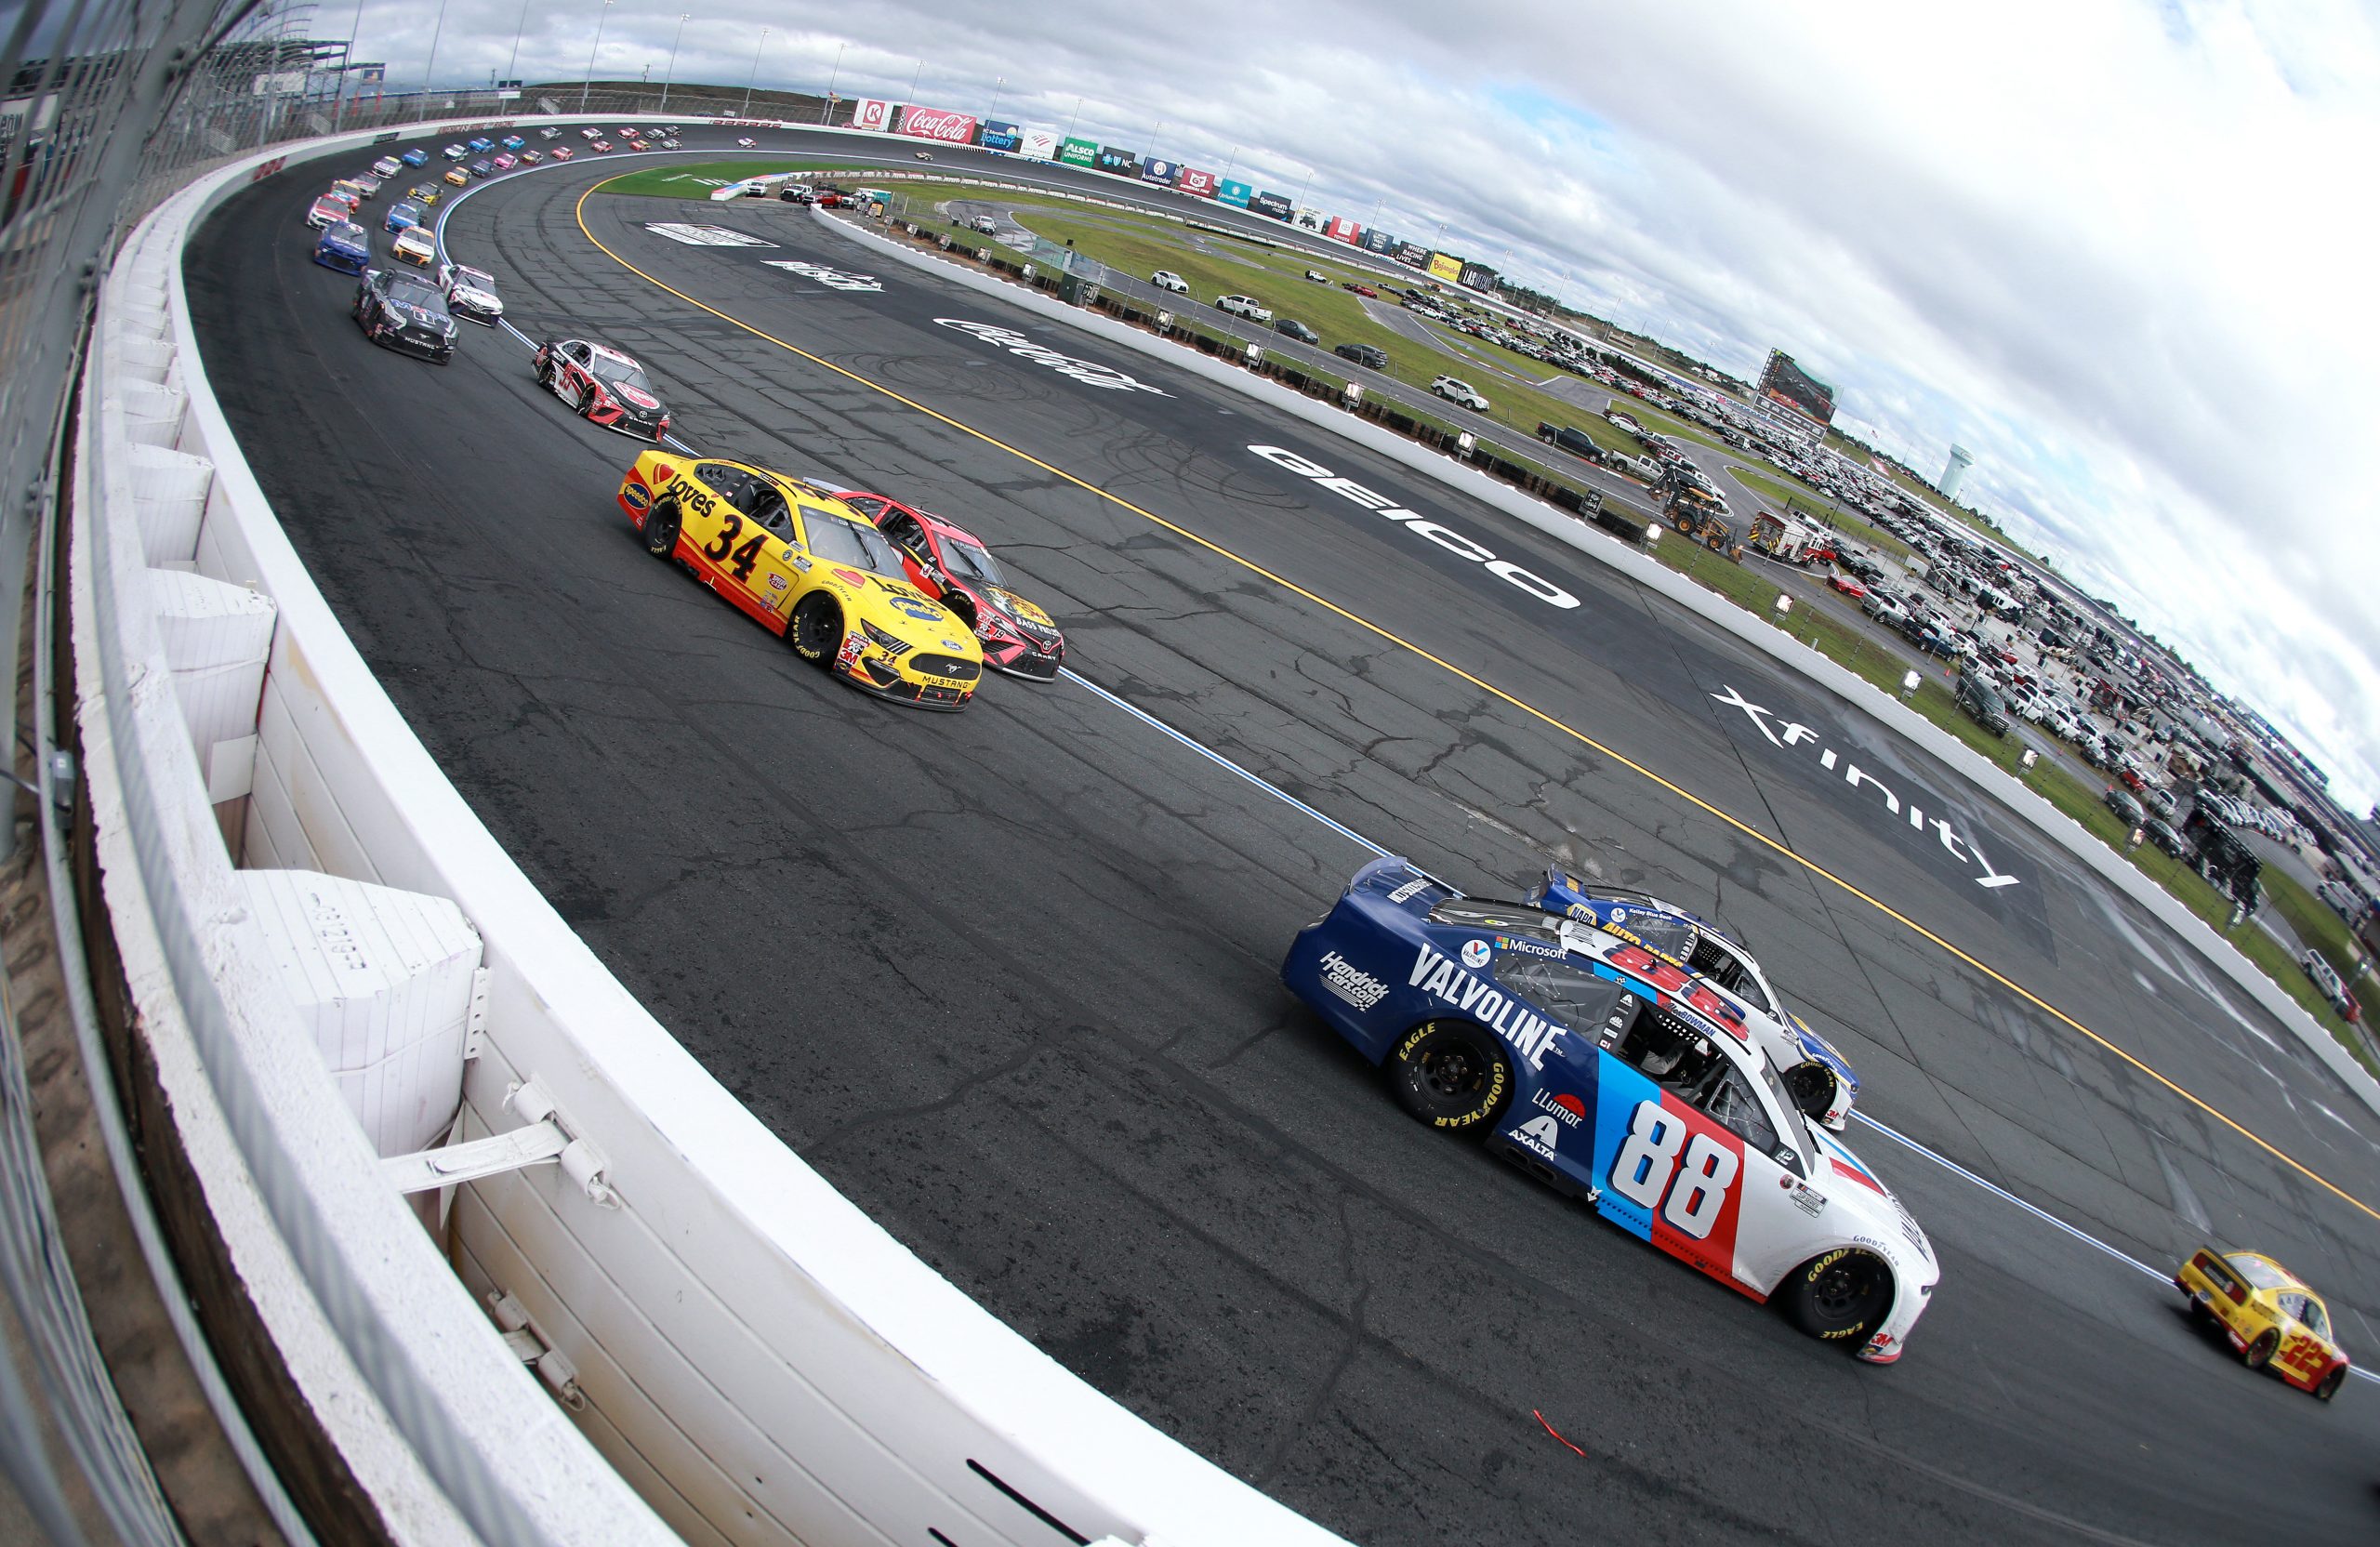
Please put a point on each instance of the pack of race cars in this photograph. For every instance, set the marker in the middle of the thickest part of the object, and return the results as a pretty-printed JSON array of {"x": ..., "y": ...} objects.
[{"x": 1614, "y": 1046}]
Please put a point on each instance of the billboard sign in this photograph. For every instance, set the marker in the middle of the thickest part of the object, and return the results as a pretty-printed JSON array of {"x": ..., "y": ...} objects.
[
  {"x": 1040, "y": 144},
  {"x": 1196, "y": 180},
  {"x": 1378, "y": 241},
  {"x": 1782, "y": 382},
  {"x": 1000, "y": 137},
  {"x": 1158, "y": 169},
  {"x": 1413, "y": 256},
  {"x": 873, "y": 113},
  {"x": 1233, "y": 193},
  {"x": 1478, "y": 276},
  {"x": 1124, "y": 163},
  {"x": 1340, "y": 229},
  {"x": 1270, "y": 203},
  {"x": 1078, "y": 152},
  {"x": 1445, "y": 265},
  {"x": 941, "y": 124}
]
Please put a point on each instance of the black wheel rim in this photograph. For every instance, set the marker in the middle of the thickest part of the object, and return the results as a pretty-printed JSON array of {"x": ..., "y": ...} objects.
[{"x": 1845, "y": 1288}]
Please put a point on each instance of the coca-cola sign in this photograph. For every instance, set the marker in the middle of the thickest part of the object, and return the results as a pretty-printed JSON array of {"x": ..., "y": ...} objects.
[{"x": 954, "y": 128}]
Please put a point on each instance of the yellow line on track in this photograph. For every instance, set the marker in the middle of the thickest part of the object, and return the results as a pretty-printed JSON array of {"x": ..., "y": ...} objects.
[{"x": 579, "y": 214}]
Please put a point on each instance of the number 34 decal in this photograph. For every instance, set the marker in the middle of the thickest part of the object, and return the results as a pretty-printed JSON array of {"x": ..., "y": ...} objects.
[
  {"x": 1651, "y": 1168},
  {"x": 744, "y": 557}
]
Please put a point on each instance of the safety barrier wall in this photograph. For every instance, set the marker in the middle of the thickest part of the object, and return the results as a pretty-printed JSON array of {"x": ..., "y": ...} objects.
[
  {"x": 760, "y": 1361},
  {"x": 1755, "y": 631}
]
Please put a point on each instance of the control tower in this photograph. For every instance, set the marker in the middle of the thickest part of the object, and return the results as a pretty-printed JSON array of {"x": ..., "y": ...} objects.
[{"x": 1955, "y": 472}]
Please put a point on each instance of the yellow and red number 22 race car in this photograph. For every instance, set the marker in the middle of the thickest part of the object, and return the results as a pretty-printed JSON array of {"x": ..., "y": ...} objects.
[
  {"x": 2273, "y": 1321},
  {"x": 807, "y": 567}
]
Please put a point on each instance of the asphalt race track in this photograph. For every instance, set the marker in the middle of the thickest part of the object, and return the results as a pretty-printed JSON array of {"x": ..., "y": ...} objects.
[{"x": 1007, "y": 977}]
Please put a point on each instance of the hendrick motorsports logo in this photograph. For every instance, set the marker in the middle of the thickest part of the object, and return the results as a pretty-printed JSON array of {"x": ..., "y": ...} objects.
[
  {"x": 1429, "y": 531},
  {"x": 1788, "y": 735},
  {"x": 705, "y": 236},
  {"x": 833, "y": 279},
  {"x": 1358, "y": 987},
  {"x": 1091, "y": 373}
]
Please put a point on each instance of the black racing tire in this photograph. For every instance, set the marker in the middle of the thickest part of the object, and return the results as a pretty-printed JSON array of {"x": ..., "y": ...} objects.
[
  {"x": 1451, "y": 1075},
  {"x": 817, "y": 629},
  {"x": 1839, "y": 1296},
  {"x": 661, "y": 524},
  {"x": 2258, "y": 1355},
  {"x": 2328, "y": 1386},
  {"x": 545, "y": 374}
]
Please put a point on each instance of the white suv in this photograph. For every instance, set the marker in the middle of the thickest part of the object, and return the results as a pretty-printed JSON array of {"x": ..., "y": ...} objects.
[
  {"x": 1245, "y": 306},
  {"x": 1166, "y": 279},
  {"x": 1456, "y": 390}
]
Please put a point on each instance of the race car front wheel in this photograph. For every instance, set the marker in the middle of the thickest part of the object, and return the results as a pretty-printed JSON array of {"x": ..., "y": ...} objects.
[
  {"x": 2260, "y": 1353},
  {"x": 1450, "y": 1074},
  {"x": 1839, "y": 1296},
  {"x": 817, "y": 629},
  {"x": 661, "y": 530}
]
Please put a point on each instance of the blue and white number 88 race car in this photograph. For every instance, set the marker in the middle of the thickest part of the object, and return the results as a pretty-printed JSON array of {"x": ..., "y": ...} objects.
[{"x": 1610, "y": 1073}]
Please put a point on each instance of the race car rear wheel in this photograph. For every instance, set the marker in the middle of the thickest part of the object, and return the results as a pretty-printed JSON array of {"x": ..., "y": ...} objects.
[
  {"x": 1839, "y": 1296},
  {"x": 1450, "y": 1074},
  {"x": 2259, "y": 1354},
  {"x": 2328, "y": 1386},
  {"x": 817, "y": 627},
  {"x": 661, "y": 530}
]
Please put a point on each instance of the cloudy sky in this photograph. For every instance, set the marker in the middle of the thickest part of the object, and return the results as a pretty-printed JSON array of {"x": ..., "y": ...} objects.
[{"x": 2111, "y": 246}]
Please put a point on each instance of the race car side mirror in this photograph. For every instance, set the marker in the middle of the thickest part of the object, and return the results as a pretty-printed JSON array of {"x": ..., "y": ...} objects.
[{"x": 1813, "y": 1087}]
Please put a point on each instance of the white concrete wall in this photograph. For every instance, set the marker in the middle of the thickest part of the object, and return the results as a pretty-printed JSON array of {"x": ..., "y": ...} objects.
[{"x": 757, "y": 1357}]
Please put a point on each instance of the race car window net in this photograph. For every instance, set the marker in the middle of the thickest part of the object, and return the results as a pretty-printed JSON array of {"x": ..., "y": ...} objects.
[
  {"x": 2310, "y": 1312},
  {"x": 839, "y": 540},
  {"x": 1509, "y": 918}
]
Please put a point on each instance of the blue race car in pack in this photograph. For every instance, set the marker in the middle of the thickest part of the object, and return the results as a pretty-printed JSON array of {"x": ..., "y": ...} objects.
[
  {"x": 1687, "y": 940},
  {"x": 417, "y": 156},
  {"x": 1621, "y": 1079},
  {"x": 344, "y": 246}
]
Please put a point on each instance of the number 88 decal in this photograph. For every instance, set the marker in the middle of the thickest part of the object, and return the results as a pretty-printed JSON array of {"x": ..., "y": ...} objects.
[{"x": 1650, "y": 1162}]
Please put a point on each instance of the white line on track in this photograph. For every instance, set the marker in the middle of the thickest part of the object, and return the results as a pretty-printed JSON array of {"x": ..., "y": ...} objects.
[{"x": 1358, "y": 838}]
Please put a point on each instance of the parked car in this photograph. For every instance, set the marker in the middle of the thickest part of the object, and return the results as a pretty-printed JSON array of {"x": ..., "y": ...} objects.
[
  {"x": 1982, "y": 703},
  {"x": 1291, "y": 327},
  {"x": 1455, "y": 390},
  {"x": 1245, "y": 306},
  {"x": 1366, "y": 356},
  {"x": 1166, "y": 279},
  {"x": 1364, "y": 290},
  {"x": 1575, "y": 441},
  {"x": 2326, "y": 980},
  {"x": 2160, "y": 833},
  {"x": 2120, "y": 801},
  {"x": 984, "y": 225}
]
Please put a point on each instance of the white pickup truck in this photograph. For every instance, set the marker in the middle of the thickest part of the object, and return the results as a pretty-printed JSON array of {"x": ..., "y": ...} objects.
[{"x": 1245, "y": 306}]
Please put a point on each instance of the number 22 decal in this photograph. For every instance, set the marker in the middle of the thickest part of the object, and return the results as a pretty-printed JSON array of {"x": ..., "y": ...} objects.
[
  {"x": 1650, "y": 1162},
  {"x": 739, "y": 563}
]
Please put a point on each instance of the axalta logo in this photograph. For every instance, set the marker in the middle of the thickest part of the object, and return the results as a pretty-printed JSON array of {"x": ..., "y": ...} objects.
[
  {"x": 1428, "y": 531},
  {"x": 1539, "y": 1136},
  {"x": 1531, "y": 1033},
  {"x": 1350, "y": 983},
  {"x": 1091, "y": 373},
  {"x": 1787, "y": 734}
]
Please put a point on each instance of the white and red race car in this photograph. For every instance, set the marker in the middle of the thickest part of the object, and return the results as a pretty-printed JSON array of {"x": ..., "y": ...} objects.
[{"x": 605, "y": 386}]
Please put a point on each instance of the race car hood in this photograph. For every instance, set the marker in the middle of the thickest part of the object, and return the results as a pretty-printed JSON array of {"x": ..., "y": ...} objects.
[
  {"x": 635, "y": 397},
  {"x": 903, "y": 611},
  {"x": 472, "y": 296},
  {"x": 1866, "y": 1212},
  {"x": 1017, "y": 607}
]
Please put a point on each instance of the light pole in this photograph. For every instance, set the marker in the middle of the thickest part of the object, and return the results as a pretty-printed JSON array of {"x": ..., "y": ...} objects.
[
  {"x": 827, "y": 114},
  {"x": 428, "y": 70},
  {"x": 915, "y": 76},
  {"x": 517, "y": 28},
  {"x": 600, "y": 17},
  {"x": 1072, "y": 117},
  {"x": 996, "y": 97},
  {"x": 1302, "y": 187},
  {"x": 1229, "y": 162},
  {"x": 669, "y": 75},
  {"x": 756, "y": 73},
  {"x": 347, "y": 67}
]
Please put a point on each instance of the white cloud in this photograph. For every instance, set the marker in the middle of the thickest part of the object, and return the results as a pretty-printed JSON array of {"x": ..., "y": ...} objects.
[{"x": 2115, "y": 247}]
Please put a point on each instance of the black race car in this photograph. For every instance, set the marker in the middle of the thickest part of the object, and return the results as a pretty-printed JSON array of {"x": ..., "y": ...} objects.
[
  {"x": 607, "y": 387},
  {"x": 402, "y": 311}
]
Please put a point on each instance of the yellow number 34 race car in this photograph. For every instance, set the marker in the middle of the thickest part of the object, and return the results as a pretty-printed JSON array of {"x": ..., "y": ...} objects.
[
  {"x": 806, "y": 567},
  {"x": 2273, "y": 1321}
]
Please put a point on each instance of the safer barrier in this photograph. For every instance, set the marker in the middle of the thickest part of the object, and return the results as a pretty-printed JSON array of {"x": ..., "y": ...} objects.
[{"x": 760, "y": 1361}]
